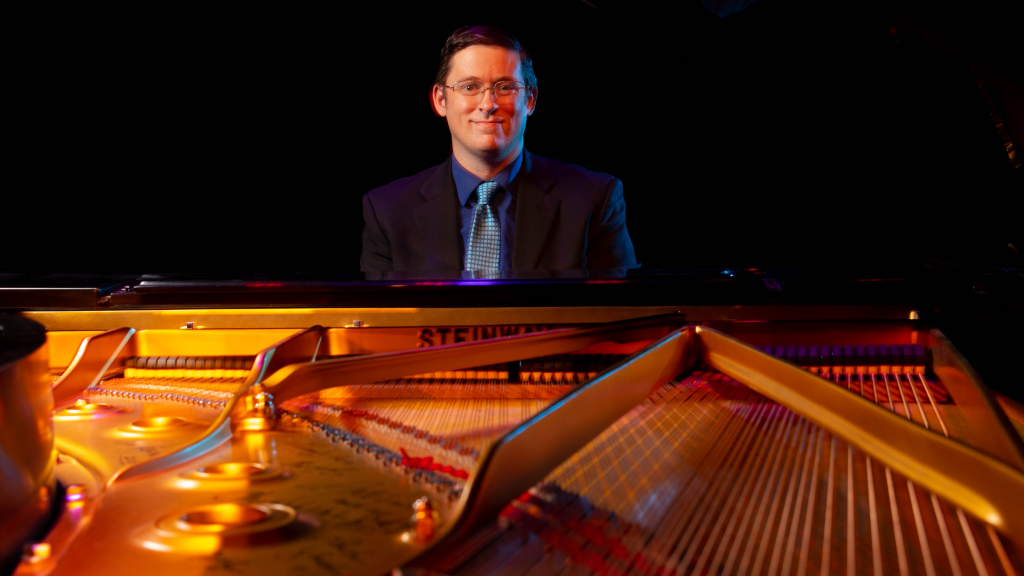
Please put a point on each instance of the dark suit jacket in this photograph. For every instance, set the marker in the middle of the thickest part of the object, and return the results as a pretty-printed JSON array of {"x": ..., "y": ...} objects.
[{"x": 566, "y": 217}]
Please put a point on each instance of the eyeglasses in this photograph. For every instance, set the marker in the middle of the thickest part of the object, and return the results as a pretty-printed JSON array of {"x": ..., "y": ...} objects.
[{"x": 503, "y": 90}]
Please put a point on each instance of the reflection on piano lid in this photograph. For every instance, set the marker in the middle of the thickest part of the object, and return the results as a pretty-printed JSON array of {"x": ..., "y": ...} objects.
[{"x": 921, "y": 284}]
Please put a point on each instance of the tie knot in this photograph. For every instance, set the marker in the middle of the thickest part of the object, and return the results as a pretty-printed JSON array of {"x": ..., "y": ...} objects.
[{"x": 485, "y": 190}]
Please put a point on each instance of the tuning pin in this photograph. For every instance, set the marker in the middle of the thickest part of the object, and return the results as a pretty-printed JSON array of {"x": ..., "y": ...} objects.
[{"x": 424, "y": 519}]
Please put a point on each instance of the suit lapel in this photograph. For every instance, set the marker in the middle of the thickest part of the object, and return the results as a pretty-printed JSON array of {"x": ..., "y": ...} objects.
[
  {"x": 436, "y": 220},
  {"x": 535, "y": 213}
]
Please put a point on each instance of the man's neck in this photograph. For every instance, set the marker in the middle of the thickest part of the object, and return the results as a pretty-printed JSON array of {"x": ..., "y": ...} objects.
[{"x": 485, "y": 168}]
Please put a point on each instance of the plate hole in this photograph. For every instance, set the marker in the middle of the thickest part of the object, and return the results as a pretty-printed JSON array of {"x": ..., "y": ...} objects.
[
  {"x": 159, "y": 423},
  {"x": 224, "y": 516}
]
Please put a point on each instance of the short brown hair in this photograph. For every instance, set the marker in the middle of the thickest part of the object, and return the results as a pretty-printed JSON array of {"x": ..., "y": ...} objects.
[{"x": 485, "y": 36}]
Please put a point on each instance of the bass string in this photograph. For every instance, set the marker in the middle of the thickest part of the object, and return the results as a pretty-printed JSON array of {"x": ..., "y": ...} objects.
[
  {"x": 726, "y": 479},
  {"x": 578, "y": 473},
  {"x": 742, "y": 489},
  {"x": 668, "y": 538}
]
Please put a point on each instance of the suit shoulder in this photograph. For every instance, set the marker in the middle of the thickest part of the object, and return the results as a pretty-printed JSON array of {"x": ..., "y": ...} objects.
[
  {"x": 403, "y": 186},
  {"x": 571, "y": 176}
]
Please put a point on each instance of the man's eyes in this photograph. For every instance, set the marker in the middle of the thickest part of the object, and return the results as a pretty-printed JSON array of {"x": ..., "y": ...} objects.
[
  {"x": 506, "y": 88},
  {"x": 470, "y": 87}
]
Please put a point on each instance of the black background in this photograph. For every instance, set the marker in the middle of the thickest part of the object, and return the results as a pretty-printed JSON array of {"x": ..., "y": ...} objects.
[
  {"x": 228, "y": 141},
  {"x": 216, "y": 140}
]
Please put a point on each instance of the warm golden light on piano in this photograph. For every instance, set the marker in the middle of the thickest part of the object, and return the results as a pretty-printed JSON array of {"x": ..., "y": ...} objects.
[{"x": 638, "y": 447}]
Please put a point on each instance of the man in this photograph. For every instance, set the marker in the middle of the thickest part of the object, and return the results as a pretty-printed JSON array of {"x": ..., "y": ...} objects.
[{"x": 493, "y": 206}]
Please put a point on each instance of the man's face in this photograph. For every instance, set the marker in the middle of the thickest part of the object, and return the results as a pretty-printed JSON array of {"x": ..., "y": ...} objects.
[{"x": 485, "y": 126}]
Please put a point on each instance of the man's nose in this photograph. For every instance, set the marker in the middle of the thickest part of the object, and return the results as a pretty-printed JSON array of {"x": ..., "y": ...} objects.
[{"x": 488, "y": 100}]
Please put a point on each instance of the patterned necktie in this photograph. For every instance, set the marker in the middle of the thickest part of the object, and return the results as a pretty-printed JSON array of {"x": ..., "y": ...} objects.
[{"x": 484, "y": 245}]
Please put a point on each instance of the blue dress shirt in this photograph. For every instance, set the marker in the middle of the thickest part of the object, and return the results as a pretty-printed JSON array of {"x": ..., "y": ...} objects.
[{"x": 504, "y": 201}]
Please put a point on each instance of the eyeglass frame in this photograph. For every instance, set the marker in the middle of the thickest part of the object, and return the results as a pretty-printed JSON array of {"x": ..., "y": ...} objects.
[{"x": 494, "y": 94}]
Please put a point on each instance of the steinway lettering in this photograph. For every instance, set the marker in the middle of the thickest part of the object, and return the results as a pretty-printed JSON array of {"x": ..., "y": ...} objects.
[{"x": 455, "y": 334}]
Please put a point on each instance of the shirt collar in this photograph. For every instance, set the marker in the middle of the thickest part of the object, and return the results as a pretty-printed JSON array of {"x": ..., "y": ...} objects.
[{"x": 466, "y": 182}]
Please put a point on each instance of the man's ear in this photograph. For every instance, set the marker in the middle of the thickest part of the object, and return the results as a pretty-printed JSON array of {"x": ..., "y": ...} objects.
[
  {"x": 437, "y": 101},
  {"x": 531, "y": 100}
]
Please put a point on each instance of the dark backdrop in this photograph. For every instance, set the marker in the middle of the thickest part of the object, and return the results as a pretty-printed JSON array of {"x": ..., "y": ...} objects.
[{"x": 199, "y": 139}]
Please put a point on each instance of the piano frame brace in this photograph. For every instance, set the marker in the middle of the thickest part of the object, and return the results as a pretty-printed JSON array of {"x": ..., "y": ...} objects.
[{"x": 983, "y": 486}]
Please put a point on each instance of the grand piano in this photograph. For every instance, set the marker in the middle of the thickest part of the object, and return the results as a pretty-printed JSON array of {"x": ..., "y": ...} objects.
[
  {"x": 799, "y": 416},
  {"x": 703, "y": 421}
]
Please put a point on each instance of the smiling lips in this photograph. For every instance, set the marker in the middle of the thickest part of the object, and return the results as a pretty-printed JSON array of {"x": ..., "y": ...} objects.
[{"x": 493, "y": 124}]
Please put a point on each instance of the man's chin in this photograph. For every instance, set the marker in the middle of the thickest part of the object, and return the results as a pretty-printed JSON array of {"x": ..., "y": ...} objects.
[{"x": 490, "y": 146}]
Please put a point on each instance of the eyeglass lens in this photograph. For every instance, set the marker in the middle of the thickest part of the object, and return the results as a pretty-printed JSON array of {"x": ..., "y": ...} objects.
[{"x": 473, "y": 88}]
